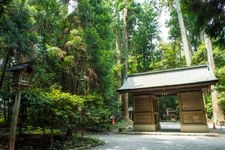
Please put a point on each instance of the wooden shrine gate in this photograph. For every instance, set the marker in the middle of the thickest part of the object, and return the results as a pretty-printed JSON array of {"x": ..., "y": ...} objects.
[
  {"x": 192, "y": 112},
  {"x": 186, "y": 83}
]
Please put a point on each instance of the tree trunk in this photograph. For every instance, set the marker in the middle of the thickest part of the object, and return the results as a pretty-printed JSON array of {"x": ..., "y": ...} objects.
[
  {"x": 9, "y": 110},
  {"x": 5, "y": 67},
  {"x": 187, "y": 48},
  {"x": 118, "y": 59},
  {"x": 14, "y": 121},
  {"x": 217, "y": 108},
  {"x": 69, "y": 133},
  {"x": 208, "y": 45},
  {"x": 125, "y": 95}
]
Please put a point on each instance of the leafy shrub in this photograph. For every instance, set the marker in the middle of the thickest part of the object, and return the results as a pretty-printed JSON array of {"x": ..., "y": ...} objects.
[{"x": 54, "y": 109}]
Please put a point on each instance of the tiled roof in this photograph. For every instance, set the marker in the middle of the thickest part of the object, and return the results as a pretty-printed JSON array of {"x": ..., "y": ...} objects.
[{"x": 168, "y": 78}]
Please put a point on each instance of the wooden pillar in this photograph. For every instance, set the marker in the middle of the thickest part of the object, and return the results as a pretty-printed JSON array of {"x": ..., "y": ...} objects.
[
  {"x": 125, "y": 106},
  {"x": 15, "y": 115},
  {"x": 146, "y": 116},
  {"x": 192, "y": 112}
]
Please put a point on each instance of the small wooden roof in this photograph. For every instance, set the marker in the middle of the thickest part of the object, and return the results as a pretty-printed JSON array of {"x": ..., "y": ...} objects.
[
  {"x": 24, "y": 66},
  {"x": 182, "y": 78}
]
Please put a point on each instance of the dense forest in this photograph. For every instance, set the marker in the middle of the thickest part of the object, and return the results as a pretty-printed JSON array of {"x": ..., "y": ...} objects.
[{"x": 81, "y": 50}]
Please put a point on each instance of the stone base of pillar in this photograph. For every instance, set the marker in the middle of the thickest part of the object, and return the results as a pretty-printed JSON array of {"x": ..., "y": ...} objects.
[
  {"x": 146, "y": 127},
  {"x": 194, "y": 128}
]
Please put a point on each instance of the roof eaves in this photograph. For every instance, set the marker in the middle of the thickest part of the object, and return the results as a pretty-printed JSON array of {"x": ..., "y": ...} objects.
[
  {"x": 168, "y": 86},
  {"x": 168, "y": 70}
]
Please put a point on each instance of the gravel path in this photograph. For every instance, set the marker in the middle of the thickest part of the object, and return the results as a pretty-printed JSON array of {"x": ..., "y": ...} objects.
[{"x": 160, "y": 142}]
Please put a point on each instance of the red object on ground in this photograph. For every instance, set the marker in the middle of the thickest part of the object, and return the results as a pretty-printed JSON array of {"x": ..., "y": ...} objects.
[{"x": 113, "y": 121}]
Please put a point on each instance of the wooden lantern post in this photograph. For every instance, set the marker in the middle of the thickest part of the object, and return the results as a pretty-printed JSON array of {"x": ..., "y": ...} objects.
[{"x": 21, "y": 75}]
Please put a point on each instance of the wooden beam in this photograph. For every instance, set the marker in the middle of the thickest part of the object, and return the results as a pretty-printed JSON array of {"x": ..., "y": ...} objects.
[
  {"x": 165, "y": 89},
  {"x": 155, "y": 97}
]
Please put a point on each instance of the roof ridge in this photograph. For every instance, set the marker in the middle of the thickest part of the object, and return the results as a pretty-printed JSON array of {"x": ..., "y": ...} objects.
[{"x": 168, "y": 70}]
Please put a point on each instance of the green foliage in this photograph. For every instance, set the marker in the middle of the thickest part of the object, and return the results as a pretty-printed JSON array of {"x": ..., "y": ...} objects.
[
  {"x": 38, "y": 103},
  {"x": 61, "y": 110},
  {"x": 168, "y": 56},
  {"x": 173, "y": 24},
  {"x": 123, "y": 124},
  {"x": 143, "y": 39},
  {"x": 49, "y": 22},
  {"x": 222, "y": 99},
  {"x": 83, "y": 142},
  {"x": 16, "y": 28},
  {"x": 96, "y": 23},
  {"x": 219, "y": 55},
  {"x": 2, "y": 119},
  {"x": 54, "y": 52},
  {"x": 3, "y": 7},
  {"x": 208, "y": 105},
  {"x": 200, "y": 56},
  {"x": 213, "y": 22}
]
